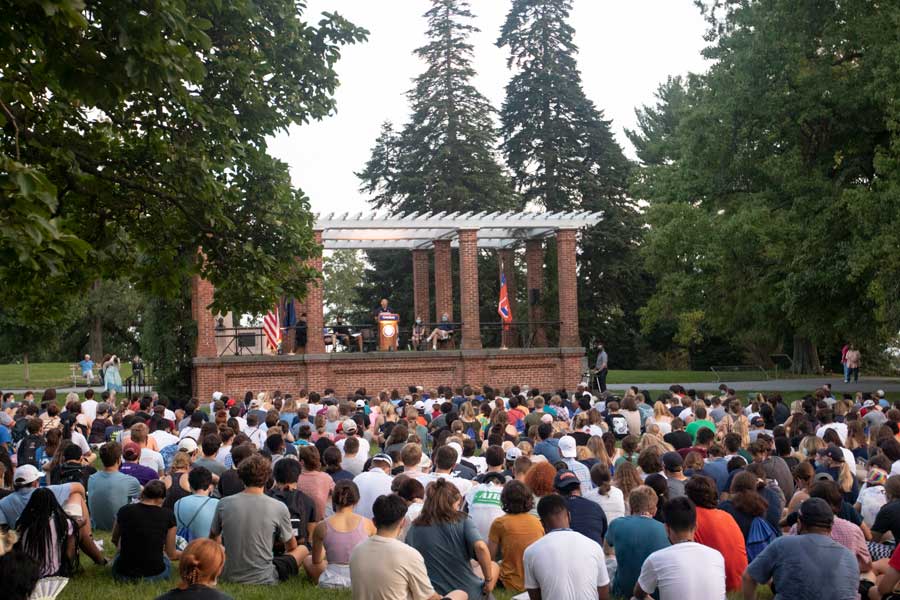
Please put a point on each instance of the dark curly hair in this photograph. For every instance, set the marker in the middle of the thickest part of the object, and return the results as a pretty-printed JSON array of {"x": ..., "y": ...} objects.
[
  {"x": 516, "y": 498},
  {"x": 345, "y": 494},
  {"x": 702, "y": 491}
]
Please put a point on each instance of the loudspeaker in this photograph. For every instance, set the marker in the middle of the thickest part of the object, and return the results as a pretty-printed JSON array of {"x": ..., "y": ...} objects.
[{"x": 534, "y": 296}]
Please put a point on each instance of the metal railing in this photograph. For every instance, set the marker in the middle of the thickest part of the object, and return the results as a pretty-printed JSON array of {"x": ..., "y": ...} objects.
[{"x": 350, "y": 337}]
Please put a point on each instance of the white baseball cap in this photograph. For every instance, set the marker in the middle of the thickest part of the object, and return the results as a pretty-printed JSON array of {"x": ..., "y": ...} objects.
[
  {"x": 546, "y": 418},
  {"x": 419, "y": 405},
  {"x": 360, "y": 403},
  {"x": 458, "y": 449},
  {"x": 188, "y": 444},
  {"x": 513, "y": 453},
  {"x": 348, "y": 425},
  {"x": 567, "y": 446},
  {"x": 217, "y": 396},
  {"x": 26, "y": 474},
  {"x": 880, "y": 393}
]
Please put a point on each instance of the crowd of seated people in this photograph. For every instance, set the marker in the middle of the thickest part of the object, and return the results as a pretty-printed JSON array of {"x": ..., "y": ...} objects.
[{"x": 458, "y": 492}]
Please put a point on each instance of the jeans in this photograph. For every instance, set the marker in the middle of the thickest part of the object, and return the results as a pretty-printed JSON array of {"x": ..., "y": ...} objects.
[
  {"x": 854, "y": 373},
  {"x": 846, "y": 373},
  {"x": 164, "y": 576}
]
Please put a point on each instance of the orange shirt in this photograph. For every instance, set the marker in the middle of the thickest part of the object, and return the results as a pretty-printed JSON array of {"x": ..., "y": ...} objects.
[
  {"x": 718, "y": 530},
  {"x": 514, "y": 533}
]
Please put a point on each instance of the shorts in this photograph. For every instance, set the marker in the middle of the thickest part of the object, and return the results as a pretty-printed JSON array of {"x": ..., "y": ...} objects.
[
  {"x": 286, "y": 566},
  {"x": 335, "y": 577}
]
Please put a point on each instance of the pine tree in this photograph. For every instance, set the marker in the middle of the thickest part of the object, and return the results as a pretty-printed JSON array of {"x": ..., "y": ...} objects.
[
  {"x": 564, "y": 156},
  {"x": 444, "y": 158}
]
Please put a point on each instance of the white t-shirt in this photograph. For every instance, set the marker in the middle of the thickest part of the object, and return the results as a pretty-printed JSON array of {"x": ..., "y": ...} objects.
[
  {"x": 355, "y": 464},
  {"x": 463, "y": 485},
  {"x": 371, "y": 484},
  {"x": 153, "y": 459},
  {"x": 685, "y": 570},
  {"x": 89, "y": 409},
  {"x": 168, "y": 415},
  {"x": 871, "y": 499},
  {"x": 572, "y": 579},
  {"x": 840, "y": 429},
  {"x": 81, "y": 441},
  {"x": 483, "y": 501},
  {"x": 191, "y": 432},
  {"x": 257, "y": 435},
  {"x": 613, "y": 504},
  {"x": 363, "y": 446},
  {"x": 164, "y": 438}
]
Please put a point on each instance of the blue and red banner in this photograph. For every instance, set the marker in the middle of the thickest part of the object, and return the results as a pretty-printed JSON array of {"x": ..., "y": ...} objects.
[{"x": 503, "y": 307}]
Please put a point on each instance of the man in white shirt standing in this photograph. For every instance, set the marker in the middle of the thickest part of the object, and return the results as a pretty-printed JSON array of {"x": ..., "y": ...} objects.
[
  {"x": 674, "y": 570},
  {"x": 547, "y": 577}
]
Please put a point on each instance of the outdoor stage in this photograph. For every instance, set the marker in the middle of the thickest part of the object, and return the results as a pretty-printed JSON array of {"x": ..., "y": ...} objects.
[
  {"x": 530, "y": 351},
  {"x": 544, "y": 368}
]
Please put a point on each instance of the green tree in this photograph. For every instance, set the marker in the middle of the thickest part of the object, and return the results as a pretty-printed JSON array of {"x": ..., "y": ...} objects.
[
  {"x": 564, "y": 157},
  {"x": 443, "y": 159},
  {"x": 773, "y": 196},
  {"x": 343, "y": 272},
  {"x": 168, "y": 336},
  {"x": 130, "y": 138}
]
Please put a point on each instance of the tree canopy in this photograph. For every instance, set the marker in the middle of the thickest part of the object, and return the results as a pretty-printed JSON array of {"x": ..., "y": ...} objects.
[
  {"x": 772, "y": 180},
  {"x": 131, "y": 138}
]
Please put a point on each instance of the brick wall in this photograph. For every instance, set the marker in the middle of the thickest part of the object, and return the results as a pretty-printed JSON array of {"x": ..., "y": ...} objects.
[
  {"x": 201, "y": 296},
  {"x": 443, "y": 279},
  {"x": 547, "y": 369},
  {"x": 468, "y": 289}
]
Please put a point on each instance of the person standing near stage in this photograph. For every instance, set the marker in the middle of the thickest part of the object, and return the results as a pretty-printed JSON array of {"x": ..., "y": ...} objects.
[
  {"x": 601, "y": 367},
  {"x": 853, "y": 359}
]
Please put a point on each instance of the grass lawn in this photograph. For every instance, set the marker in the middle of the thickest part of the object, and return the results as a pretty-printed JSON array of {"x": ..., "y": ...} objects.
[
  {"x": 96, "y": 582},
  {"x": 45, "y": 375}
]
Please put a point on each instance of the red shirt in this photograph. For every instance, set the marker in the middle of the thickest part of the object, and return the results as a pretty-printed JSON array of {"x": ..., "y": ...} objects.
[
  {"x": 718, "y": 530},
  {"x": 514, "y": 415}
]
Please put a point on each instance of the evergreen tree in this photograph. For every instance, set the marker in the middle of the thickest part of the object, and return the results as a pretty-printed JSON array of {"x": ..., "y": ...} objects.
[
  {"x": 564, "y": 157},
  {"x": 444, "y": 157}
]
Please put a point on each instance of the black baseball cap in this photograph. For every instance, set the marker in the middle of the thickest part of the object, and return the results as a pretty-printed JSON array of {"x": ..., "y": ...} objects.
[
  {"x": 565, "y": 479},
  {"x": 816, "y": 512}
]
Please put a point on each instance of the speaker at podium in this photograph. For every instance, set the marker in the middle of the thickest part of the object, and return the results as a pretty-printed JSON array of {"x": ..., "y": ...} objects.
[{"x": 388, "y": 331}]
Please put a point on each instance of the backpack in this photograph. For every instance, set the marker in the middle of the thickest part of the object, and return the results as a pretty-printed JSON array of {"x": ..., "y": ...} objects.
[
  {"x": 761, "y": 534},
  {"x": 184, "y": 531},
  {"x": 27, "y": 453},
  {"x": 19, "y": 430},
  {"x": 71, "y": 473}
]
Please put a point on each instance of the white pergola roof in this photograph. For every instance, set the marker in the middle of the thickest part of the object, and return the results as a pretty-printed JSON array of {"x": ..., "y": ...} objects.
[{"x": 413, "y": 231}]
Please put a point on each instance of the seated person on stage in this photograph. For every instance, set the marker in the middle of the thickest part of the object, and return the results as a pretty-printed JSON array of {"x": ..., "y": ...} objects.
[
  {"x": 441, "y": 332},
  {"x": 418, "y": 334},
  {"x": 342, "y": 333}
]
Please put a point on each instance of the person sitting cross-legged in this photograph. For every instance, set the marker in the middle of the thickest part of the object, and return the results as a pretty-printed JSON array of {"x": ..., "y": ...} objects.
[
  {"x": 685, "y": 569},
  {"x": 548, "y": 575},
  {"x": 407, "y": 579},
  {"x": 144, "y": 533},
  {"x": 248, "y": 523},
  {"x": 634, "y": 538}
]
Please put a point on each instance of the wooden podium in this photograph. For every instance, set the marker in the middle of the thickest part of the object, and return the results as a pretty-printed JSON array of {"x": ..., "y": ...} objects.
[{"x": 388, "y": 331}]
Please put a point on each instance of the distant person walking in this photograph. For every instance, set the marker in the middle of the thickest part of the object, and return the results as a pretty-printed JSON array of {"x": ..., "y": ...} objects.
[
  {"x": 844, "y": 350},
  {"x": 601, "y": 367},
  {"x": 853, "y": 358}
]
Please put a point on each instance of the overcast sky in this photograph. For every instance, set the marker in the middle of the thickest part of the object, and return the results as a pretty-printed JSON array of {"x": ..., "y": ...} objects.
[{"x": 627, "y": 48}]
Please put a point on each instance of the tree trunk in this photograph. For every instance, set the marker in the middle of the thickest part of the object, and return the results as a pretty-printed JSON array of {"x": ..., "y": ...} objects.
[
  {"x": 26, "y": 370},
  {"x": 806, "y": 357},
  {"x": 96, "y": 342}
]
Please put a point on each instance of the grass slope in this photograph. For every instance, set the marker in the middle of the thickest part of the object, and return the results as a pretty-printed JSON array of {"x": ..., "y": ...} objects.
[{"x": 45, "y": 375}]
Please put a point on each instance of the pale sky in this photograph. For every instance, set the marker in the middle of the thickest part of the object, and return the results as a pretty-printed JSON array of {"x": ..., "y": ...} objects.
[{"x": 626, "y": 49}]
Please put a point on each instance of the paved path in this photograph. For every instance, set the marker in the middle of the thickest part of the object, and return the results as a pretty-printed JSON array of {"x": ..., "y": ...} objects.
[{"x": 866, "y": 384}]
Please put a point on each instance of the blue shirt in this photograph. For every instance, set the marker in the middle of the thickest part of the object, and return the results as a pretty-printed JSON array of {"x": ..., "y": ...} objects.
[
  {"x": 634, "y": 539},
  {"x": 11, "y": 507},
  {"x": 86, "y": 365},
  {"x": 5, "y": 437},
  {"x": 109, "y": 493},
  {"x": 198, "y": 511},
  {"x": 807, "y": 566},
  {"x": 587, "y": 518},
  {"x": 548, "y": 449}
]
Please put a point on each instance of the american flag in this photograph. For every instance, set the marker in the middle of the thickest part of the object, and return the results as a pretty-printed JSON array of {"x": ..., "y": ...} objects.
[
  {"x": 503, "y": 307},
  {"x": 272, "y": 328}
]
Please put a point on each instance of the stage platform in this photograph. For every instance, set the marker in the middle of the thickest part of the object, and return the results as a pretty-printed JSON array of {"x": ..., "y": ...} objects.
[{"x": 545, "y": 368}]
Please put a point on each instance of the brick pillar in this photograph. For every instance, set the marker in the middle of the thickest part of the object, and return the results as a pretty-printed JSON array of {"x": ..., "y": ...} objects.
[
  {"x": 443, "y": 279},
  {"x": 534, "y": 265},
  {"x": 568, "y": 288},
  {"x": 315, "y": 318},
  {"x": 507, "y": 261},
  {"x": 421, "y": 285},
  {"x": 201, "y": 296},
  {"x": 468, "y": 289}
]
